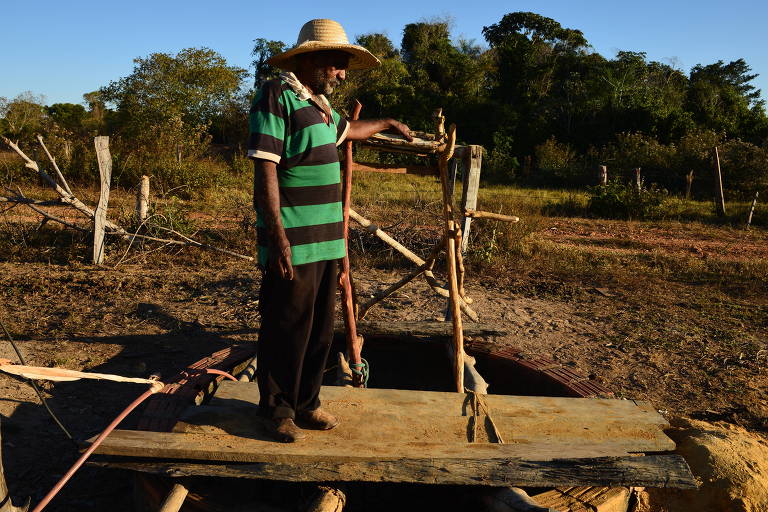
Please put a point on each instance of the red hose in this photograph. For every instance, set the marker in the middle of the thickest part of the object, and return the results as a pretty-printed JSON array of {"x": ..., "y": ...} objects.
[
  {"x": 152, "y": 390},
  {"x": 56, "y": 488}
]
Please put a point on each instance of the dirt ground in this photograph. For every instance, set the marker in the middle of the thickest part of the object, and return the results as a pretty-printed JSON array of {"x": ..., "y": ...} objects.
[{"x": 171, "y": 311}]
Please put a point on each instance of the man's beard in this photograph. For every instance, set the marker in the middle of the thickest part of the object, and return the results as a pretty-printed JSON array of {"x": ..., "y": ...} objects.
[{"x": 322, "y": 84}]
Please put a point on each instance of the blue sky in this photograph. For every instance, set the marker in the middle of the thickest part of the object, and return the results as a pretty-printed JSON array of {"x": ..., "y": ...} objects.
[{"x": 66, "y": 48}]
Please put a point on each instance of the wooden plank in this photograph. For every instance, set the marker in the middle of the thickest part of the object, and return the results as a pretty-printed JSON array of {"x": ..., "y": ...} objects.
[
  {"x": 100, "y": 215},
  {"x": 401, "y": 425},
  {"x": 650, "y": 471},
  {"x": 472, "y": 162},
  {"x": 436, "y": 403},
  {"x": 324, "y": 446}
]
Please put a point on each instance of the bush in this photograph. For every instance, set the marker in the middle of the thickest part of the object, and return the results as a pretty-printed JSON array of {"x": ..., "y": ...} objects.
[
  {"x": 618, "y": 201},
  {"x": 558, "y": 162},
  {"x": 501, "y": 165}
]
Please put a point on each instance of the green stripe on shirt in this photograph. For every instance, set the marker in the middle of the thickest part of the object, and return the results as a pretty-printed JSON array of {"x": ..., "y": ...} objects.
[
  {"x": 311, "y": 215},
  {"x": 310, "y": 175}
]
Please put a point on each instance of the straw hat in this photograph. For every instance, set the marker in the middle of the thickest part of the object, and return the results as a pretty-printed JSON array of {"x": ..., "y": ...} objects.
[{"x": 321, "y": 34}]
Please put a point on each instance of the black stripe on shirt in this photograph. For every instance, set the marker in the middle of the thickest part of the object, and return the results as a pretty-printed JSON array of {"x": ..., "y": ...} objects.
[
  {"x": 303, "y": 196},
  {"x": 266, "y": 143},
  {"x": 306, "y": 234},
  {"x": 318, "y": 155}
]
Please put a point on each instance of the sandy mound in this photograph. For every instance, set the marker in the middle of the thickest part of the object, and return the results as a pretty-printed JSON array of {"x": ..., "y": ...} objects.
[{"x": 730, "y": 463}]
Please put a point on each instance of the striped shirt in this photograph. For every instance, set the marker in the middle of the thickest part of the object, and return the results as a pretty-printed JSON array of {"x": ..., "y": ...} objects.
[{"x": 287, "y": 127}]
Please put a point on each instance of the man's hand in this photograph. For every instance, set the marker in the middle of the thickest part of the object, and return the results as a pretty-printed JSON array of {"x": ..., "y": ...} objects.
[
  {"x": 402, "y": 129},
  {"x": 364, "y": 128},
  {"x": 280, "y": 260}
]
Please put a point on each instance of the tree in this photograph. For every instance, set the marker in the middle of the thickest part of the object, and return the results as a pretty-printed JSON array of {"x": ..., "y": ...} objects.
[
  {"x": 175, "y": 92},
  {"x": 68, "y": 116},
  {"x": 263, "y": 49},
  {"x": 721, "y": 98},
  {"x": 23, "y": 116}
]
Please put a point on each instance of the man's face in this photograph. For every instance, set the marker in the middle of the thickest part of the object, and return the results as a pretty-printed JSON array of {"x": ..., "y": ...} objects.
[{"x": 328, "y": 70}]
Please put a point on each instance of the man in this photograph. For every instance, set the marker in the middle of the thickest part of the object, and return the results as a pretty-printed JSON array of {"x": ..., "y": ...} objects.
[{"x": 297, "y": 195}]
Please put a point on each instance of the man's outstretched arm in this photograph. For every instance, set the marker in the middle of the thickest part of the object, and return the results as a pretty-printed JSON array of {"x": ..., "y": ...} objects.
[
  {"x": 266, "y": 195},
  {"x": 364, "y": 128}
]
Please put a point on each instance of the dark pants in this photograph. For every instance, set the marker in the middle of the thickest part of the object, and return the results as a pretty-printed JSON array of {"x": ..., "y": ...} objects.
[{"x": 295, "y": 337}]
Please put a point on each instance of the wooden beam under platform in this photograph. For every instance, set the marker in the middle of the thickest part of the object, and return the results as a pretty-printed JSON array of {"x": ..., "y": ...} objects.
[
  {"x": 420, "y": 436},
  {"x": 426, "y": 329},
  {"x": 649, "y": 471}
]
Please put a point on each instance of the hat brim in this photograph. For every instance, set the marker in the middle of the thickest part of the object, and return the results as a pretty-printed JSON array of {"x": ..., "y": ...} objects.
[{"x": 360, "y": 58}]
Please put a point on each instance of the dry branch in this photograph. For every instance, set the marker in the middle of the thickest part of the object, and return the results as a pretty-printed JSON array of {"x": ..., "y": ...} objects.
[
  {"x": 69, "y": 199},
  {"x": 383, "y": 294},
  {"x": 398, "y": 143},
  {"x": 27, "y": 200},
  {"x": 55, "y": 166},
  {"x": 478, "y": 214},
  {"x": 410, "y": 255}
]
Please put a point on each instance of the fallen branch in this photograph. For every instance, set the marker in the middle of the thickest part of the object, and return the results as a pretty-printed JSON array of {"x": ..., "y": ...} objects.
[
  {"x": 69, "y": 199},
  {"x": 66, "y": 197},
  {"x": 55, "y": 166},
  {"x": 27, "y": 200}
]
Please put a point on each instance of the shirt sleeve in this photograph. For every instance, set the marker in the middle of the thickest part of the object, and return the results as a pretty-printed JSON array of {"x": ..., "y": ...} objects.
[
  {"x": 342, "y": 127},
  {"x": 267, "y": 123}
]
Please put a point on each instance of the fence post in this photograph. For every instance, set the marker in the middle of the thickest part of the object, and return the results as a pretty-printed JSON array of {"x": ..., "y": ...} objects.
[
  {"x": 603, "y": 175},
  {"x": 472, "y": 160},
  {"x": 688, "y": 183},
  {"x": 142, "y": 199},
  {"x": 100, "y": 215},
  {"x": 719, "y": 196},
  {"x": 752, "y": 209}
]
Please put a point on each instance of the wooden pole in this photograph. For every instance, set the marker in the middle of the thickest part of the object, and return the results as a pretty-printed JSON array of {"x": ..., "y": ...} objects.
[
  {"x": 175, "y": 499},
  {"x": 602, "y": 175},
  {"x": 719, "y": 196},
  {"x": 142, "y": 199},
  {"x": 688, "y": 184},
  {"x": 450, "y": 249},
  {"x": 354, "y": 342},
  {"x": 752, "y": 210},
  {"x": 100, "y": 215}
]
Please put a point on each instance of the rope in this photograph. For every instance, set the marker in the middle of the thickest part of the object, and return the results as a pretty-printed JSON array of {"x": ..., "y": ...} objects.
[
  {"x": 60, "y": 374},
  {"x": 363, "y": 369}
]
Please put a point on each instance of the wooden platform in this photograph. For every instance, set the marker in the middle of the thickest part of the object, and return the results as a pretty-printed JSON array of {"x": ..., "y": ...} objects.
[{"x": 419, "y": 436}]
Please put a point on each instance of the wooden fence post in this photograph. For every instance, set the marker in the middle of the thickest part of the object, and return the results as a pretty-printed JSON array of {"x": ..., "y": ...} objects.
[
  {"x": 603, "y": 175},
  {"x": 472, "y": 161},
  {"x": 142, "y": 199},
  {"x": 688, "y": 184},
  {"x": 719, "y": 196},
  {"x": 100, "y": 215},
  {"x": 752, "y": 209}
]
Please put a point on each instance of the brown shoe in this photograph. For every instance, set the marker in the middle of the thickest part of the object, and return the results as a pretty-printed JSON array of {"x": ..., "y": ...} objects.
[
  {"x": 317, "y": 419},
  {"x": 286, "y": 430}
]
